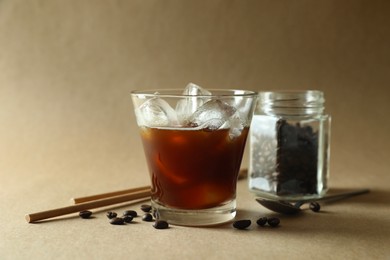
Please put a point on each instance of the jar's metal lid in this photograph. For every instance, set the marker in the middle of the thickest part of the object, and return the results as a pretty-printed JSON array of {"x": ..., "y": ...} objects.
[{"x": 299, "y": 102}]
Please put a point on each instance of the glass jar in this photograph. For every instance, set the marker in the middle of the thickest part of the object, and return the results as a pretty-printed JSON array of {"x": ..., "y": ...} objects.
[{"x": 289, "y": 146}]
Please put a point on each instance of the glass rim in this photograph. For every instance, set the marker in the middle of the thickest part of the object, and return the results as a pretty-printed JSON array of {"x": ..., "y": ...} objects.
[{"x": 178, "y": 93}]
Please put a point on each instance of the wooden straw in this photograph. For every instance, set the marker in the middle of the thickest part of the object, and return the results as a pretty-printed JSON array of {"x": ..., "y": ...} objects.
[
  {"x": 100, "y": 200},
  {"x": 87, "y": 205},
  {"x": 242, "y": 175},
  {"x": 107, "y": 195}
]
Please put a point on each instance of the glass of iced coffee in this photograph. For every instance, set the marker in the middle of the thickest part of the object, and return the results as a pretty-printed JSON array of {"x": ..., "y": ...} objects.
[{"x": 193, "y": 141}]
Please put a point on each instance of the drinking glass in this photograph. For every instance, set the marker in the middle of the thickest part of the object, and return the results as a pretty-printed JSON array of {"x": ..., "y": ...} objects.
[{"x": 193, "y": 146}]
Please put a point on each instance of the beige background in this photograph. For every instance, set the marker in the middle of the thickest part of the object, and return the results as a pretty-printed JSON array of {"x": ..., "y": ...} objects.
[{"x": 67, "y": 126}]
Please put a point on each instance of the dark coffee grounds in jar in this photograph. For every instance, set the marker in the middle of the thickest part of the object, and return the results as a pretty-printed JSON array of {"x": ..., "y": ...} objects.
[{"x": 297, "y": 154}]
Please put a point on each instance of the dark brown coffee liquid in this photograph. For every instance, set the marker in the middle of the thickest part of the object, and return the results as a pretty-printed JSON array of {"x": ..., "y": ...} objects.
[{"x": 193, "y": 169}]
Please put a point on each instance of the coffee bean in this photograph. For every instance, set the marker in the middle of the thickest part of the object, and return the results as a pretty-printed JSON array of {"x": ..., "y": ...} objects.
[
  {"x": 85, "y": 214},
  {"x": 132, "y": 213},
  {"x": 161, "y": 224},
  {"x": 315, "y": 206},
  {"x": 117, "y": 221},
  {"x": 147, "y": 217},
  {"x": 296, "y": 159},
  {"x": 242, "y": 224},
  {"x": 111, "y": 214},
  {"x": 127, "y": 219},
  {"x": 262, "y": 221},
  {"x": 273, "y": 222},
  {"x": 146, "y": 208}
]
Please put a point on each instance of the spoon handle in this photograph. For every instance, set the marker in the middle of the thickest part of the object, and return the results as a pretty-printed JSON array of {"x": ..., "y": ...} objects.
[{"x": 343, "y": 195}]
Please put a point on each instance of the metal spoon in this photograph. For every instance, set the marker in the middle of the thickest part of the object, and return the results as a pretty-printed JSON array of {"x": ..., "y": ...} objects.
[{"x": 285, "y": 207}]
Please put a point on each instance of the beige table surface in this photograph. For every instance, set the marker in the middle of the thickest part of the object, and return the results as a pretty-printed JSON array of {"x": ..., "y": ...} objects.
[{"x": 67, "y": 127}]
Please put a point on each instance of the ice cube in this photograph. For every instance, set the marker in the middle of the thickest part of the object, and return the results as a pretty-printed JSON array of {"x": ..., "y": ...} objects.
[
  {"x": 195, "y": 90},
  {"x": 241, "y": 117},
  {"x": 243, "y": 106},
  {"x": 156, "y": 112},
  {"x": 187, "y": 106},
  {"x": 235, "y": 125},
  {"x": 211, "y": 115}
]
